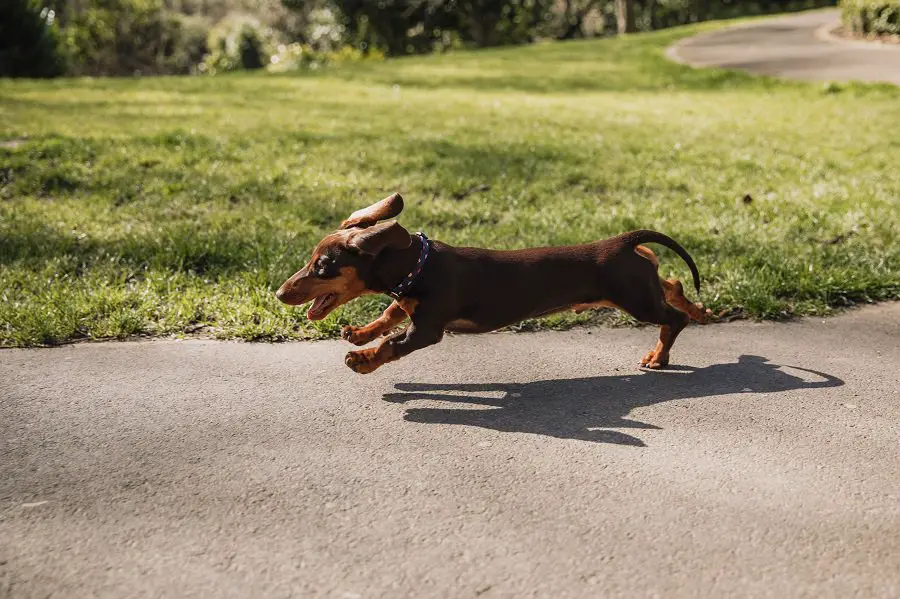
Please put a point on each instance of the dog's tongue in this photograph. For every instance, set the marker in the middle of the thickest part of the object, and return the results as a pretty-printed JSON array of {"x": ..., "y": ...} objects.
[{"x": 315, "y": 311}]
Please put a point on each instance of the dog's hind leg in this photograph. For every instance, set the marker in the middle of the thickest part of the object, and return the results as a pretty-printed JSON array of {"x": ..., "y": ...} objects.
[
  {"x": 658, "y": 357},
  {"x": 643, "y": 296},
  {"x": 672, "y": 322},
  {"x": 674, "y": 292}
]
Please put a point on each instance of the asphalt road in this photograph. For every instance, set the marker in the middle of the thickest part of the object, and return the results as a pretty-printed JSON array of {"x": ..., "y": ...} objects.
[
  {"x": 505, "y": 465},
  {"x": 792, "y": 47}
]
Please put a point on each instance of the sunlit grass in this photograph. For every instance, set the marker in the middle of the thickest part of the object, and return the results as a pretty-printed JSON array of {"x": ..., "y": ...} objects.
[{"x": 170, "y": 205}]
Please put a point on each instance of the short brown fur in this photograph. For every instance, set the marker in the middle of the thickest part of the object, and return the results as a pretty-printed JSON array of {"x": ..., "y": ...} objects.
[{"x": 475, "y": 290}]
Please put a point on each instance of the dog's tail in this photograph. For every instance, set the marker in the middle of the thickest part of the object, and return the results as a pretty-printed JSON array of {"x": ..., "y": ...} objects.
[{"x": 636, "y": 238}]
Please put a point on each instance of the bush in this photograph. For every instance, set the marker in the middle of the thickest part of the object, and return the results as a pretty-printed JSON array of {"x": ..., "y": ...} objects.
[
  {"x": 125, "y": 37},
  {"x": 324, "y": 30},
  {"x": 398, "y": 26},
  {"x": 189, "y": 45},
  {"x": 239, "y": 42},
  {"x": 871, "y": 17},
  {"x": 295, "y": 57},
  {"x": 28, "y": 41}
]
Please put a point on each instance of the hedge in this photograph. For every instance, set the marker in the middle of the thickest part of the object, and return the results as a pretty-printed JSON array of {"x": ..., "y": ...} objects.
[{"x": 871, "y": 17}]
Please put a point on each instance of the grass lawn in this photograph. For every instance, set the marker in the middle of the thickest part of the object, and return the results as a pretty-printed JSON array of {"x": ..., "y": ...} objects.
[{"x": 171, "y": 205}]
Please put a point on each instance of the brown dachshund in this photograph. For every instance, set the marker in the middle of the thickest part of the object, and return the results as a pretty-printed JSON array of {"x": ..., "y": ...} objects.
[{"x": 473, "y": 290}]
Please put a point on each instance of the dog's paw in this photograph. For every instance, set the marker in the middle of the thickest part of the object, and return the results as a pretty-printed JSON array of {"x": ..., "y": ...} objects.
[
  {"x": 362, "y": 361},
  {"x": 356, "y": 335},
  {"x": 655, "y": 360},
  {"x": 705, "y": 314}
]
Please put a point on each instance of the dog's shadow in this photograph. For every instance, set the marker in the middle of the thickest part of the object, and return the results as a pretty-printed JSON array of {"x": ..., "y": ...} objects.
[{"x": 586, "y": 408}]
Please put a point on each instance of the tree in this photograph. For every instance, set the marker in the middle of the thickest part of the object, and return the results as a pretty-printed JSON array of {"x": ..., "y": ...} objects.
[
  {"x": 702, "y": 10},
  {"x": 497, "y": 22},
  {"x": 28, "y": 41},
  {"x": 574, "y": 14},
  {"x": 398, "y": 26},
  {"x": 625, "y": 16},
  {"x": 481, "y": 19}
]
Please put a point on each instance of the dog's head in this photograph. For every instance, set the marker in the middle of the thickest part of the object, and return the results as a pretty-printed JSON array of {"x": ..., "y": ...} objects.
[{"x": 340, "y": 267}]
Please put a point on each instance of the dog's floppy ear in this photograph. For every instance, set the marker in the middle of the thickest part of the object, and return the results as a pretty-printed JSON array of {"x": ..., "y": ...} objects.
[
  {"x": 389, "y": 207},
  {"x": 374, "y": 239}
]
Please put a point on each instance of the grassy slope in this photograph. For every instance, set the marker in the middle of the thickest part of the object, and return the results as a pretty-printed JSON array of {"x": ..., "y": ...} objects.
[{"x": 166, "y": 205}]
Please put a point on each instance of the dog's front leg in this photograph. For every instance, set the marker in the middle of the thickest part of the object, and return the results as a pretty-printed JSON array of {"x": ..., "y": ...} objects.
[
  {"x": 414, "y": 337},
  {"x": 391, "y": 317}
]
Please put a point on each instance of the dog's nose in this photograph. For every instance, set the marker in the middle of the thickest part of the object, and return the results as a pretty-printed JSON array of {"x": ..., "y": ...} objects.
[{"x": 280, "y": 293}]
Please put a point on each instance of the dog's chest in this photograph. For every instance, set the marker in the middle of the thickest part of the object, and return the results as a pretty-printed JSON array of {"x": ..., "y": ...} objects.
[{"x": 464, "y": 325}]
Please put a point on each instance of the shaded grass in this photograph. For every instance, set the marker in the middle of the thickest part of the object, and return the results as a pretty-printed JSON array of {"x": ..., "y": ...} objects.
[{"x": 167, "y": 205}]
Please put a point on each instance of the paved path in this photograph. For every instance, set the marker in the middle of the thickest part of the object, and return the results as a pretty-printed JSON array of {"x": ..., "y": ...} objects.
[
  {"x": 767, "y": 465},
  {"x": 790, "y": 47}
]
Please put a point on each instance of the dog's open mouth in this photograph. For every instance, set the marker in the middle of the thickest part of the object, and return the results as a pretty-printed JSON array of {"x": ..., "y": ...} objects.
[{"x": 321, "y": 306}]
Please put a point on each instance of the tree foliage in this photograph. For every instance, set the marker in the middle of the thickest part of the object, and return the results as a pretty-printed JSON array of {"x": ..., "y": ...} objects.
[
  {"x": 29, "y": 45},
  {"x": 127, "y": 37}
]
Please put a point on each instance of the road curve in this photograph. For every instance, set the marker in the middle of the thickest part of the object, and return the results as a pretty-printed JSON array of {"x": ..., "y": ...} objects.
[
  {"x": 503, "y": 465},
  {"x": 794, "y": 47}
]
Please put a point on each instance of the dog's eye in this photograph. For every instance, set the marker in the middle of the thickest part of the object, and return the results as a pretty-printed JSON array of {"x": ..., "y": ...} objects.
[{"x": 323, "y": 268}]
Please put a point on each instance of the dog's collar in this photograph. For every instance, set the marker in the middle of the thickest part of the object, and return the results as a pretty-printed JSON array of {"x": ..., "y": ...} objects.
[{"x": 400, "y": 289}]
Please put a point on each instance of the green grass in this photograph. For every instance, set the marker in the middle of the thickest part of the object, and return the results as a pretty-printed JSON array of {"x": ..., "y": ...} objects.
[{"x": 172, "y": 205}]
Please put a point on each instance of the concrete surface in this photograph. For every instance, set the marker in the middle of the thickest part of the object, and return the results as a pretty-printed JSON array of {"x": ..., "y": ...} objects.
[
  {"x": 795, "y": 47},
  {"x": 504, "y": 465}
]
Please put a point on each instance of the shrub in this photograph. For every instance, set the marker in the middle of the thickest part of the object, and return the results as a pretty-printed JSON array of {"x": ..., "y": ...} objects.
[
  {"x": 239, "y": 42},
  {"x": 325, "y": 31},
  {"x": 189, "y": 45},
  {"x": 871, "y": 17},
  {"x": 295, "y": 57},
  {"x": 28, "y": 41},
  {"x": 124, "y": 37},
  {"x": 398, "y": 26}
]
